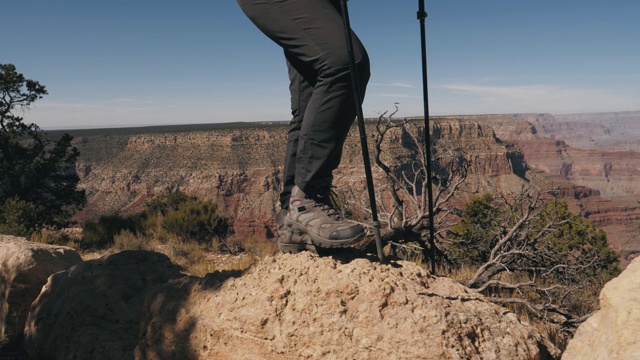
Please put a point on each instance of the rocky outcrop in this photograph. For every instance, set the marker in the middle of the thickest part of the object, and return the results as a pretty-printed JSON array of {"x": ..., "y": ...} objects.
[
  {"x": 508, "y": 126},
  {"x": 98, "y": 299},
  {"x": 286, "y": 307},
  {"x": 612, "y": 333},
  {"x": 24, "y": 269}
]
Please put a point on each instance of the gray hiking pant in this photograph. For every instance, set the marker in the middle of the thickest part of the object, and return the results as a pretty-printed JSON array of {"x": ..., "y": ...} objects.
[{"x": 311, "y": 33}]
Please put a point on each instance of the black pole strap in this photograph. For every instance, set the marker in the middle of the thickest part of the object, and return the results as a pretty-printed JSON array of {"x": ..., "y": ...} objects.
[
  {"x": 422, "y": 15},
  {"x": 357, "y": 96}
]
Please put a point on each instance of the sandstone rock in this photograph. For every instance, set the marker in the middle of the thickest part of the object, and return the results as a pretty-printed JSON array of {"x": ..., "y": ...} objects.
[
  {"x": 94, "y": 310},
  {"x": 24, "y": 269},
  {"x": 136, "y": 305},
  {"x": 613, "y": 332}
]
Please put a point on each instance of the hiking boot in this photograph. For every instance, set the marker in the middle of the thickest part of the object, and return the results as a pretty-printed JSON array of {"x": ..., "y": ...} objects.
[
  {"x": 292, "y": 241},
  {"x": 317, "y": 218}
]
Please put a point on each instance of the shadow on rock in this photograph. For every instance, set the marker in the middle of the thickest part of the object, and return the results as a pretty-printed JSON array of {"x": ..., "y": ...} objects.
[
  {"x": 124, "y": 306},
  {"x": 346, "y": 255},
  {"x": 289, "y": 306},
  {"x": 366, "y": 249},
  {"x": 25, "y": 267},
  {"x": 11, "y": 348}
]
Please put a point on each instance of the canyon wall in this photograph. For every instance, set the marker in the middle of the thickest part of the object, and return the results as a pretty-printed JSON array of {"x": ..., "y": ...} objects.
[
  {"x": 240, "y": 168},
  {"x": 588, "y": 159},
  {"x": 617, "y": 130}
]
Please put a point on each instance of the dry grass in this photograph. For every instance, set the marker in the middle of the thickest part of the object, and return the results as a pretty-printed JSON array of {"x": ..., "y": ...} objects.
[
  {"x": 127, "y": 240},
  {"x": 461, "y": 273},
  {"x": 52, "y": 237},
  {"x": 258, "y": 248},
  {"x": 581, "y": 301},
  {"x": 196, "y": 259}
]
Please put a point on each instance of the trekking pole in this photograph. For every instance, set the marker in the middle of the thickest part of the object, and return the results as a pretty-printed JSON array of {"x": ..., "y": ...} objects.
[
  {"x": 422, "y": 15},
  {"x": 363, "y": 134}
]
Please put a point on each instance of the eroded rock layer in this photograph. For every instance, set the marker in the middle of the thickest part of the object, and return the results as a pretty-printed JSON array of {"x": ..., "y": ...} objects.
[{"x": 241, "y": 168}]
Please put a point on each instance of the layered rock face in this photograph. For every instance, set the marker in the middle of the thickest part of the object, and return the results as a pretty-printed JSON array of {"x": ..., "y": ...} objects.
[
  {"x": 241, "y": 168},
  {"x": 600, "y": 151},
  {"x": 287, "y": 307},
  {"x": 605, "y": 173},
  {"x": 24, "y": 269},
  {"x": 237, "y": 168},
  {"x": 586, "y": 149},
  {"x": 620, "y": 130},
  {"x": 612, "y": 333},
  {"x": 611, "y": 172}
]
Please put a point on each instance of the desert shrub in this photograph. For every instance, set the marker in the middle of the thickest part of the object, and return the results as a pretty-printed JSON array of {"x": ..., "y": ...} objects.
[
  {"x": 534, "y": 254},
  {"x": 166, "y": 219},
  {"x": 128, "y": 240},
  {"x": 546, "y": 241},
  {"x": 203, "y": 268},
  {"x": 186, "y": 254},
  {"x": 248, "y": 245},
  {"x": 101, "y": 233},
  {"x": 165, "y": 203},
  {"x": 196, "y": 219},
  {"x": 151, "y": 226},
  {"x": 50, "y": 237},
  {"x": 228, "y": 244},
  {"x": 473, "y": 232},
  {"x": 17, "y": 217}
]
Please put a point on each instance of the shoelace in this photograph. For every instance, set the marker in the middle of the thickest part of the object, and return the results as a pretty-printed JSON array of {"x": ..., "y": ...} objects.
[
  {"x": 326, "y": 207},
  {"x": 331, "y": 212}
]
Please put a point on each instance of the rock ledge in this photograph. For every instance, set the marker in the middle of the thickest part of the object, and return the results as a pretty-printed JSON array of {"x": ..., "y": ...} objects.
[{"x": 285, "y": 307}]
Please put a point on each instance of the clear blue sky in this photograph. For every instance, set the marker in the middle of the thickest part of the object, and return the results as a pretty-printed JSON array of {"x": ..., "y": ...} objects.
[{"x": 152, "y": 62}]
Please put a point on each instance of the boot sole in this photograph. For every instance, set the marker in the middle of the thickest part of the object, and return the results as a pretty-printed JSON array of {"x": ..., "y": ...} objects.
[
  {"x": 296, "y": 248},
  {"x": 322, "y": 242}
]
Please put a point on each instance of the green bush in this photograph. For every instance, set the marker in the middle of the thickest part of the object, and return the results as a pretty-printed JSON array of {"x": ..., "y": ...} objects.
[
  {"x": 101, "y": 233},
  {"x": 165, "y": 217},
  {"x": 166, "y": 203},
  {"x": 198, "y": 220},
  {"x": 527, "y": 253},
  {"x": 475, "y": 231},
  {"x": 17, "y": 217}
]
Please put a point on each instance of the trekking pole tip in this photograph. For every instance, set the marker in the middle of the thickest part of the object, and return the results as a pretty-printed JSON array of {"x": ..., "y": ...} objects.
[{"x": 376, "y": 232}]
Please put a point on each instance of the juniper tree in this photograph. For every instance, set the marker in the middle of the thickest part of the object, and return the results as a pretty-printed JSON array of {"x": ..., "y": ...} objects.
[
  {"x": 38, "y": 180},
  {"x": 532, "y": 252},
  {"x": 526, "y": 249}
]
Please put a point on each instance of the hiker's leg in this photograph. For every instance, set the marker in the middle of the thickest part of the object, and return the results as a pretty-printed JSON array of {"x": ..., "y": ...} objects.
[
  {"x": 312, "y": 36},
  {"x": 301, "y": 91}
]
